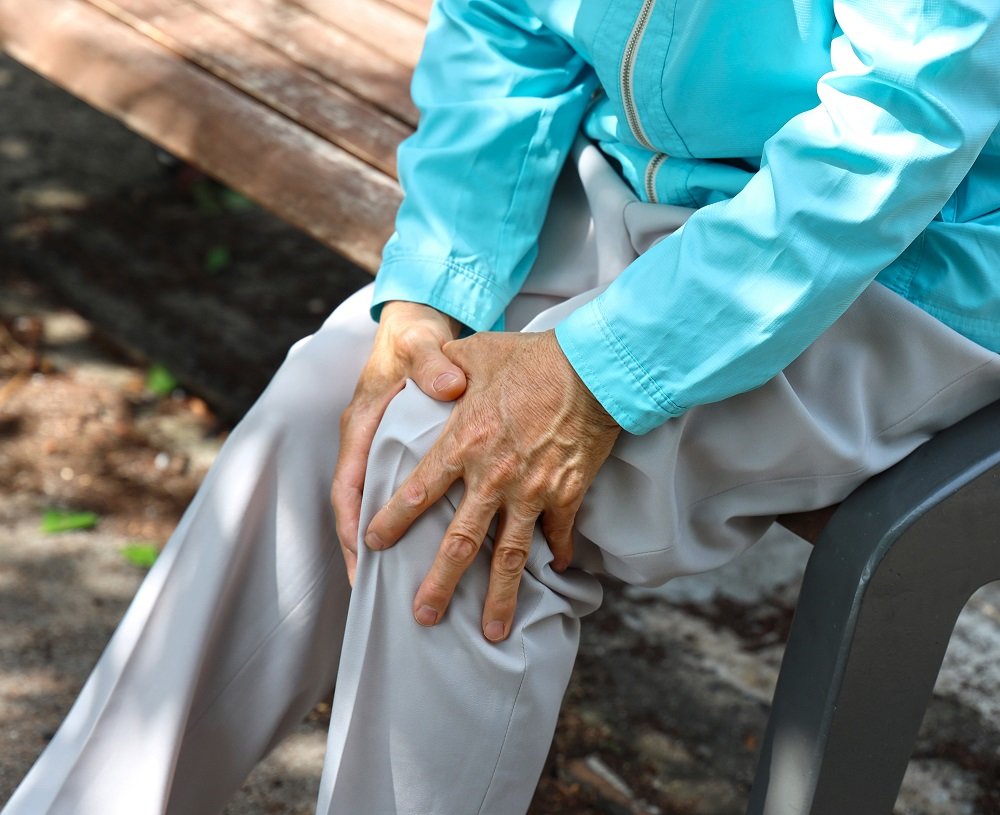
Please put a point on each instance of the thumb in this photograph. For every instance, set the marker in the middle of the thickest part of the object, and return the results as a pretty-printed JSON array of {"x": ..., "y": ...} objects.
[{"x": 436, "y": 375}]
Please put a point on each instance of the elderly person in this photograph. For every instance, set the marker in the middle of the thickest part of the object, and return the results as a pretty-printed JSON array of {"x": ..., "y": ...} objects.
[{"x": 754, "y": 251}]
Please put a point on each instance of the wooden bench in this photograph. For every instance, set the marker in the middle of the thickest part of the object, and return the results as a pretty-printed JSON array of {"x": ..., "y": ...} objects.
[{"x": 298, "y": 104}]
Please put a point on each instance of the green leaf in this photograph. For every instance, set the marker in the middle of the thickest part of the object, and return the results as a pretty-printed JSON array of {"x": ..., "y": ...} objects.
[
  {"x": 235, "y": 201},
  {"x": 140, "y": 554},
  {"x": 160, "y": 381},
  {"x": 216, "y": 259},
  {"x": 67, "y": 520}
]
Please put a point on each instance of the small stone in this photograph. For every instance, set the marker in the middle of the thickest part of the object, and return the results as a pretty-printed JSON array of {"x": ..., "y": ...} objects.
[
  {"x": 199, "y": 407},
  {"x": 593, "y": 773},
  {"x": 663, "y": 750},
  {"x": 14, "y": 149},
  {"x": 53, "y": 198}
]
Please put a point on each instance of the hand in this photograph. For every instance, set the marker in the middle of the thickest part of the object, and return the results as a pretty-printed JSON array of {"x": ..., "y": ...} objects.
[
  {"x": 527, "y": 438},
  {"x": 407, "y": 346}
]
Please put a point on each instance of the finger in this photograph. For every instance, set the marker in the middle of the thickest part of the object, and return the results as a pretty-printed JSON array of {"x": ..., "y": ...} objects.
[
  {"x": 557, "y": 527},
  {"x": 459, "y": 352},
  {"x": 510, "y": 553},
  {"x": 434, "y": 373},
  {"x": 458, "y": 549},
  {"x": 350, "y": 561},
  {"x": 357, "y": 430},
  {"x": 428, "y": 481}
]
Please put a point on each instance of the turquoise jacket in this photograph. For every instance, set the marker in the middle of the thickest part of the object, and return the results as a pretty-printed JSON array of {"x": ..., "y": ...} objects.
[{"x": 826, "y": 144}]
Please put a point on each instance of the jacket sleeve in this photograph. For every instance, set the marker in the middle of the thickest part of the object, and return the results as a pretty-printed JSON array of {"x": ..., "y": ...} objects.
[
  {"x": 501, "y": 98},
  {"x": 731, "y": 298}
]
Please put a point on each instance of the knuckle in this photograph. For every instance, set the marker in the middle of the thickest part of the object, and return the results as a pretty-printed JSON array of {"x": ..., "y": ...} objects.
[
  {"x": 577, "y": 487},
  {"x": 496, "y": 483},
  {"x": 411, "y": 340},
  {"x": 345, "y": 538},
  {"x": 341, "y": 493},
  {"x": 506, "y": 468},
  {"x": 479, "y": 431},
  {"x": 413, "y": 494},
  {"x": 509, "y": 561},
  {"x": 566, "y": 500},
  {"x": 448, "y": 457},
  {"x": 436, "y": 591},
  {"x": 345, "y": 419},
  {"x": 459, "y": 547}
]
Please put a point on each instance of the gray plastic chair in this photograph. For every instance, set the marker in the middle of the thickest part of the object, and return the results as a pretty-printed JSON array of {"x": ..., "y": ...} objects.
[{"x": 889, "y": 576}]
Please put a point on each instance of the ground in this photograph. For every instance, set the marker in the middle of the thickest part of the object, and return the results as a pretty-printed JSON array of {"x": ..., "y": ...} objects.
[{"x": 112, "y": 261}]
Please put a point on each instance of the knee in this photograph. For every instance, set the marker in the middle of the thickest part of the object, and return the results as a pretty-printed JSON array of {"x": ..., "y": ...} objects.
[{"x": 412, "y": 423}]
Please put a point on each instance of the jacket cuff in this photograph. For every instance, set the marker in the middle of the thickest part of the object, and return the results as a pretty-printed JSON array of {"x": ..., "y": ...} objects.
[
  {"x": 453, "y": 288},
  {"x": 615, "y": 377}
]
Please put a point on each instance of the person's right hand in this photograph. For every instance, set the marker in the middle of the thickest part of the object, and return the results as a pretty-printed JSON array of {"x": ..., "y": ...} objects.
[{"x": 407, "y": 346}]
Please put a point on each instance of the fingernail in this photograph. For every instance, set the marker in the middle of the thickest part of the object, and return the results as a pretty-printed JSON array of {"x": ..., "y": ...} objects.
[
  {"x": 373, "y": 541},
  {"x": 426, "y": 615},
  {"x": 444, "y": 381},
  {"x": 494, "y": 631}
]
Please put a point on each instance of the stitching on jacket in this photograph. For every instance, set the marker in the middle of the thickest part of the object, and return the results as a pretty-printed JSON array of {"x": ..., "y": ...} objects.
[
  {"x": 639, "y": 373},
  {"x": 453, "y": 265}
]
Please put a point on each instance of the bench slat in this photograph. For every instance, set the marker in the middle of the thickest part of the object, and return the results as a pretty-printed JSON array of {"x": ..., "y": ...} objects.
[
  {"x": 334, "y": 196},
  {"x": 378, "y": 24},
  {"x": 264, "y": 73},
  {"x": 329, "y": 51},
  {"x": 421, "y": 9}
]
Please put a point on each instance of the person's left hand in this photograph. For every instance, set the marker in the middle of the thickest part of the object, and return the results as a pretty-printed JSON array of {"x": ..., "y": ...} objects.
[{"x": 527, "y": 438}]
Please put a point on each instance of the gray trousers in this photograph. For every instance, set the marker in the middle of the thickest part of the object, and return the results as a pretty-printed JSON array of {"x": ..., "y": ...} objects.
[{"x": 246, "y": 620}]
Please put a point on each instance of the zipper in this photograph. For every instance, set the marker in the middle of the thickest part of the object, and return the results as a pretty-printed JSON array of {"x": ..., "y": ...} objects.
[
  {"x": 628, "y": 72},
  {"x": 651, "y": 170}
]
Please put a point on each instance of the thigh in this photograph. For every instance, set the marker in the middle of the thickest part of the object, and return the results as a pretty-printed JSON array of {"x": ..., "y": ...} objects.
[{"x": 697, "y": 491}]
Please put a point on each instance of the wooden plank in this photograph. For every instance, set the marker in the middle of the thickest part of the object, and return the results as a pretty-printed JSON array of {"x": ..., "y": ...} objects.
[
  {"x": 421, "y": 9},
  {"x": 378, "y": 24},
  {"x": 332, "y": 195},
  {"x": 264, "y": 73},
  {"x": 324, "y": 48}
]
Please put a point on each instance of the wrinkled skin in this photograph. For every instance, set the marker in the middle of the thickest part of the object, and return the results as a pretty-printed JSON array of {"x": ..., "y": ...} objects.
[{"x": 526, "y": 437}]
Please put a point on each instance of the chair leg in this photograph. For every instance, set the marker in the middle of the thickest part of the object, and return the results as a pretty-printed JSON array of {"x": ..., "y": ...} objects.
[{"x": 879, "y": 600}]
